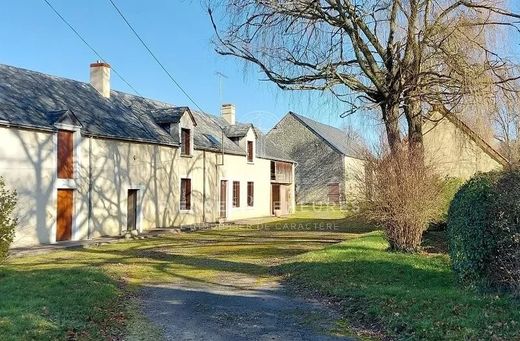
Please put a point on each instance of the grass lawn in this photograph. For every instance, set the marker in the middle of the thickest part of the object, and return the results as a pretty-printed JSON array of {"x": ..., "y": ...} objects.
[
  {"x": 406, "y": 296},
  {"x": 83, "y": 293},
  {"x": 88, "y": 293}
]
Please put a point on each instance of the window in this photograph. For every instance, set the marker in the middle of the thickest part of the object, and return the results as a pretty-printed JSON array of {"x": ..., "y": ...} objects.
[
  {"x": 165, "y": 126},
  {"x": 185, "y": 141},
  {"x": 65, "y": 155},
  {"x": 236, "y": 194},
  {"x": 235, "y": 139},
  {"x": 250, "y": 194},
  {"x": 186, "y": 194},
  {"x": 249, "y": 151}
]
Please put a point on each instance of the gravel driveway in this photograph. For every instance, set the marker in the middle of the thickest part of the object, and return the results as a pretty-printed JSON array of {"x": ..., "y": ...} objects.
[{"x": 205, "y": 311}]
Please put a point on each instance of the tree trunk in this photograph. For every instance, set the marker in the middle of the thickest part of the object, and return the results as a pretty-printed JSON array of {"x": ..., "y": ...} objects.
[
  {"x": 391, "y": 120},
  {"x": 413, "y": 114}
]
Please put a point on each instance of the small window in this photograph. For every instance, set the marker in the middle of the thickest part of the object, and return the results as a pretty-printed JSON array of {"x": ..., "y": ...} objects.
[
  {"x": 165, "y": 126},
  {"x": 213, "y": 140},
  {"x": 235, "y": 139},
  {"x": 250, "y": 194},
  {"x": 185, "y": 141},
  {"x": 186, "y": 194},
  {"x": 65, "y": 155},
  {"x": 236, "y": 194},
  {"x": 249, "y": 151}
]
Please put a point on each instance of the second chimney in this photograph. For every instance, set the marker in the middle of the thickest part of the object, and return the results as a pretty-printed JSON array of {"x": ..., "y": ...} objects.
[
  {"x": 100, "y": 78},
  {"x": 228, "y": 113}
]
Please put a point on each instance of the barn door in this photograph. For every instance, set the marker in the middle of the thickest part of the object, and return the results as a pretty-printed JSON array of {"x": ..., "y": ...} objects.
[
  {"x": 333, "y": 193},
  {"x": 64, "y": 214}
]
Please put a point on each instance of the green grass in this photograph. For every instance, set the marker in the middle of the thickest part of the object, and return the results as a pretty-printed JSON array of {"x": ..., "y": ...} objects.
[
  {"x": 407, "y": 296},
  {"x": 66, "y": 293},
  {"x": 53, "y": 303},
  {"x": 89, "y": 293}
]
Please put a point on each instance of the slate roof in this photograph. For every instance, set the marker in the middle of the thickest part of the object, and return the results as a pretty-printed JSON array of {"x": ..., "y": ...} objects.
[
  {"x": 237, "y": 130},
  {"x": 335, "y": 137},
  {"x": 31, "y": 99}
]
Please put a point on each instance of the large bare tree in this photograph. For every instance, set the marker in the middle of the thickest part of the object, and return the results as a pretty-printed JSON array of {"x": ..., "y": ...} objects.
[{"x": 397, "y": 57}]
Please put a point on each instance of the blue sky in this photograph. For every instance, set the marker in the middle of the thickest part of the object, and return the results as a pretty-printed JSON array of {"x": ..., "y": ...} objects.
[{"x": 179, "y": 32}]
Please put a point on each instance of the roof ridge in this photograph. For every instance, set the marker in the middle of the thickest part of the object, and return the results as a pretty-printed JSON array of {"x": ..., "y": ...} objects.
[{"x": 483, "y": 144}]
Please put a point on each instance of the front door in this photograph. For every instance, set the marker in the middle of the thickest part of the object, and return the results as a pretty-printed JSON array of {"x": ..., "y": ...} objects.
[
  {"x": 131, "y": 222},
  {"x": 64, "y": 214},
  {"x": 223, "y": 198}
]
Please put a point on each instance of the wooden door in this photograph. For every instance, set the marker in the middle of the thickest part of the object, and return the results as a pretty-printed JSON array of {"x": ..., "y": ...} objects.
[
  {"x": 131, "y": 222},
  {"x": 275, "y": 197},
  {"x": 223, "y": 198},
  {"x": 333, "y": 193},
  {"x": 64, "y": 214}
]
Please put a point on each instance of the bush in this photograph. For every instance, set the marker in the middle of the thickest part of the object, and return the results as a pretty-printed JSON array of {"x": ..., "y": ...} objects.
[
  {"x": 468, "y": 218},
  {"x": 504, "y": 261},
  {"x": 7, "y": 221},
  {"x": 404, "y": 198},
  {"x": 483, "y": 231}
]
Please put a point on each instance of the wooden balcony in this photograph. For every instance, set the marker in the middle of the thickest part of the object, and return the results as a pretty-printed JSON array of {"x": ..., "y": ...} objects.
[{"x": 281, "y": 172}]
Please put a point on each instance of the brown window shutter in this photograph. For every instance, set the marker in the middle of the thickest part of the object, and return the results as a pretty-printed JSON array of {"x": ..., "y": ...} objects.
[
  {"x": 188, "y": 194},
  {"x": 236, "y": 194},
  {"x": 185, "y": 194},
  {"x": 250, "y": 194},
  {"x": 65, "y": 155},
  {"x": 185, "y": 141},
  {"x": 250, "y": 151}
]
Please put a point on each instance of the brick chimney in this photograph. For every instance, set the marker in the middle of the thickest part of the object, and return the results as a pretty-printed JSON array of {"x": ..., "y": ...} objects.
[
  {"x": 100, "y": 78},
  {"x": 228, "y": 113}
]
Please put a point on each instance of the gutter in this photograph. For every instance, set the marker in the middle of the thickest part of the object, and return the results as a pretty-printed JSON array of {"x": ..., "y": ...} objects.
[{"x": 89, "y": 210}]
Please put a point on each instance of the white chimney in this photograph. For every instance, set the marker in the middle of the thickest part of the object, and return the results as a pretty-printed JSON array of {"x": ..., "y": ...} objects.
[
  {"x": 100, "y": 78},
  {"x": 228, "y": 113}
]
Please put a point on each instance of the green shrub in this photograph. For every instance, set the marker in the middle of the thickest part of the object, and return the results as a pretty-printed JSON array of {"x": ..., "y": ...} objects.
[
  {"x": 504, "y": 262},
  {"x": 483, "y": 231},
  {"x": 7, "y": 221},
  {"x": 468, "y": 220},
  {"x": 450, "y": 187}
]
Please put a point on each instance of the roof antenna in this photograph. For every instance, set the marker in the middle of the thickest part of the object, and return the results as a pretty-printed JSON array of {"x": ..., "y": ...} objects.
[{"x": 220, "y": 75}]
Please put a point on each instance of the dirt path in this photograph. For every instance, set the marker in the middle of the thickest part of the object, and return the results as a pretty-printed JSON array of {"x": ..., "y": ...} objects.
[{"x": 204, "y": 311}]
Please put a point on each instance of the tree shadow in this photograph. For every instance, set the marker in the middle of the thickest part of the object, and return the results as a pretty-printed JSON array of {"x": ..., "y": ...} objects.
[{"x": 56, "y": 303}]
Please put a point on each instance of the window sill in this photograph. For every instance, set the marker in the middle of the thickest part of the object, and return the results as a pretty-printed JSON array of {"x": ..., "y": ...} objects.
[
  {"x": 190, "y": 211},
  {"x": 188, "y": 156},
  {"x": 250, "y": 162}
]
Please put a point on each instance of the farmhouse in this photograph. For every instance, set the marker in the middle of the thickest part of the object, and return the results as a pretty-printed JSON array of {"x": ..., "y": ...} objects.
[
  {"x": 329, "y": 168},
  {"x": 88, "y": 161}
]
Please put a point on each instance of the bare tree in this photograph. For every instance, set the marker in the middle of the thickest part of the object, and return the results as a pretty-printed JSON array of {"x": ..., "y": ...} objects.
[
  {"x": 397, "y": 57},
  {"x": 507, "y": 127}
]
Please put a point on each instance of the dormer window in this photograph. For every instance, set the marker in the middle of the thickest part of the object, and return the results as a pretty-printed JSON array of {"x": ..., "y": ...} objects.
[
  {"x": 236, "y": 140},
  {"x": 185, "y": 142},
  {"x": 250, "y": 151}
]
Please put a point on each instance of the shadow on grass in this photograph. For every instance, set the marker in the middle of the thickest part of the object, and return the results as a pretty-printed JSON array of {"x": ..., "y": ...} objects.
[
  {"x": 411, "y": 296},
  {"x": 52, "y": 304}
]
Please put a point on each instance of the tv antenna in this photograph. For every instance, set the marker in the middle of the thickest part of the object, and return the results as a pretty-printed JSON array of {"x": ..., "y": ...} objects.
[{"x": 220, "y": 75}]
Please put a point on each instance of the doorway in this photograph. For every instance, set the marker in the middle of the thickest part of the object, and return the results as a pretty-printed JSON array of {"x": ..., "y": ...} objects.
[
  {"x": 333, "y": 193},
  {"x": 275, "y": 198},
  {"x": 131, "y": 221},
  {"x": 223, "y": 199},
  {"x": 65, "y": 209}
]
